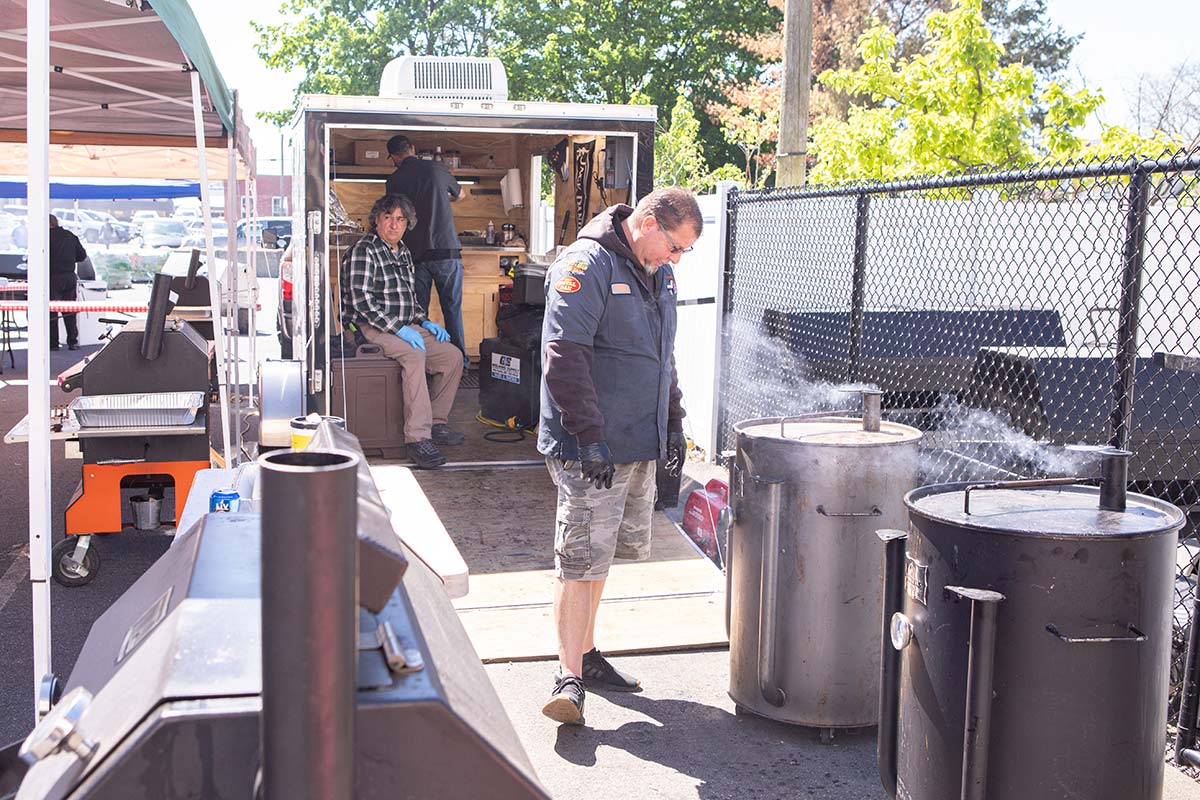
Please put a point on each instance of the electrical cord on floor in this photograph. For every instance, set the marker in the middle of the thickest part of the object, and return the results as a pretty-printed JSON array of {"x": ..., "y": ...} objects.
[{"x": 511, "y": 432}]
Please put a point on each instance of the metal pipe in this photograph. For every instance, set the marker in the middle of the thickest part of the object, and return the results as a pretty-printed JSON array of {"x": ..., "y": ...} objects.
[
  {"x": 193, "y": 267},
  {"x": 1114, "y": 478},
  {"x": 214, "y": 299},
  {"x": 735, "y": 473},
  {"x": 1184, "y": 162},
  {"x": 37, "y": 226},
  {"x": 977, "y": 721},
  {"x": 1189, "y": 702},
  {"x": 309, "y": 623},
  {"x": 768, "y": 593},
  {"x": 156, "y": 317},
  {"x": 872, "y": 400},
  {"x": 889, "y": 676},
  {"x": 724, "y": 331},
  {"x": 858, "y": 286},
  {"x": 1130, "y": 307}
]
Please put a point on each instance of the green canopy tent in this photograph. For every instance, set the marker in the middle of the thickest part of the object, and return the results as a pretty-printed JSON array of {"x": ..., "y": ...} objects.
[{"x": 97, "y": 75}]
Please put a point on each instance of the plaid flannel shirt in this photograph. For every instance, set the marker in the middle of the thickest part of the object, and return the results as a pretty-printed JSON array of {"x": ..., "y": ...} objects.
[{"x": 377, "y": 286}]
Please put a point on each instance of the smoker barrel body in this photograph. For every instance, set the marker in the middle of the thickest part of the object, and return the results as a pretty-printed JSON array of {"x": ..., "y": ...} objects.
[
  {"x": 805, "y": 581},
  {"x": 1081, "y": 651}
]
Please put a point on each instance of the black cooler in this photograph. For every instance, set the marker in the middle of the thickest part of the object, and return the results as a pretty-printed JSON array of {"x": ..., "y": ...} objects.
[{"x": 509, "y": 382}]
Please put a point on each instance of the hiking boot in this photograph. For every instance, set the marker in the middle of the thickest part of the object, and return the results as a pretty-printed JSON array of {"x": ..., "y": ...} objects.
[
  {"x": 566, "y": 701},
  {"x": 425, "y": 454},
  {"x": 444, "y": 435},
  {"x": 600, "y": 674}
]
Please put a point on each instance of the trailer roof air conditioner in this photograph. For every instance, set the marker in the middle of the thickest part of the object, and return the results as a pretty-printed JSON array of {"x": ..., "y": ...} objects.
[{"x": 437, "y": 77}]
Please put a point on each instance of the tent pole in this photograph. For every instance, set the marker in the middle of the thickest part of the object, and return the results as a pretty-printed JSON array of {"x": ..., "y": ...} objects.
[
  {"x": 37, "y": 110},
  {"x": 214, "y": 293}
]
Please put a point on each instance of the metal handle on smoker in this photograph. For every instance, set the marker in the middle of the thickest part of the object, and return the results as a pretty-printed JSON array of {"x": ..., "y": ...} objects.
[
  {"x": 977, "y": 723},
  {"x": 874, "y": 512},
  {"x": 1138, "y": 636},
  {"x": 768, "y": 592},
  {"x": 889, "y": 676},
  {"x": 735, "y": 492},
  {"x": 1034, "y": 483},
  {"x": 783, "y": 421}
]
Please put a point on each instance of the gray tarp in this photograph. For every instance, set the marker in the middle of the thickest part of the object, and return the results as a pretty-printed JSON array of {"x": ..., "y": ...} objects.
[{"x": 121, "y": 75}]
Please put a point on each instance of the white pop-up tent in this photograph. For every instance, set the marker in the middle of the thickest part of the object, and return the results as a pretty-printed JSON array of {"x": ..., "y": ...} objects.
[{"x": 114, "y": 88}]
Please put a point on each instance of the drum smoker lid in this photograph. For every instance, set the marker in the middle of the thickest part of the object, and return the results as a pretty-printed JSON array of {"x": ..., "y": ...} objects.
[
  {"x": 828, "y": 430},
  {"x": 1060, "y": 511}
]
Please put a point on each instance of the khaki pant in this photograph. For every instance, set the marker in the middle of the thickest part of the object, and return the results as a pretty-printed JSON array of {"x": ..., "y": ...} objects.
[
  {"x": 424, "y": 404},
  {"x": 592, "y": 526}
]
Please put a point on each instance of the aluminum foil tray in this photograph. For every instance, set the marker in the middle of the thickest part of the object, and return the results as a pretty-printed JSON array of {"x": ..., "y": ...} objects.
[{"x": 134, "y": 410}]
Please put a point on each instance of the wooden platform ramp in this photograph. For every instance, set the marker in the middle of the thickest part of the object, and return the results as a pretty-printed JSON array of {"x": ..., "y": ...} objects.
[
  {"x": 650, "y": 606},
  {"x": 502, "y": 521}
]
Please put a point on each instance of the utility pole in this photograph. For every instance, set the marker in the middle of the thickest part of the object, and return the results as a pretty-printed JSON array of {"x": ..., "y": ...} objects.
[{"x": 792, "y": 150}]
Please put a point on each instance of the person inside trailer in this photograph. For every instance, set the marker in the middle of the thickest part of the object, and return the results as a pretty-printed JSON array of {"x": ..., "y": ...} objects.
[
  {"x": 379, "y": 298},
  {"x": 433, "y": 241}
]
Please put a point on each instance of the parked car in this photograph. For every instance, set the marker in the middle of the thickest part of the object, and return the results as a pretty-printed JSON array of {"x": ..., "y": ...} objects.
[
  {"x": 12, "y": 231},
  {"x": 195, "y": 236},
  {"x": 140, "y": 218},
  {"x": 111, "y": 228},
  {"x": 267, "y": 232},
  {"x": 80, "y": 223},
  {"x": 163, "y": 233}
]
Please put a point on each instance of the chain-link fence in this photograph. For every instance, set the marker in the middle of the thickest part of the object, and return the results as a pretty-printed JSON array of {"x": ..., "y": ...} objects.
[{"x": 1007, "y": 315}]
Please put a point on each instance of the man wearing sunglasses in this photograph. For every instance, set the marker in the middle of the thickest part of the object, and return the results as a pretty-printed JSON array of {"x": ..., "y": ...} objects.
[{"x": 611, "y": 408}]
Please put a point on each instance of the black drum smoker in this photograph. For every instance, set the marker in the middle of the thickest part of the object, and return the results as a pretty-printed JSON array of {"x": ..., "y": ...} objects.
[
  {"x": 1026, "y": 641},
  {"x": 804, "y": 567}
]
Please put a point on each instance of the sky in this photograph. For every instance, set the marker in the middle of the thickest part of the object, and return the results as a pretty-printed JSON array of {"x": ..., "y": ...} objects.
[{"x": 1121, "y": 41}]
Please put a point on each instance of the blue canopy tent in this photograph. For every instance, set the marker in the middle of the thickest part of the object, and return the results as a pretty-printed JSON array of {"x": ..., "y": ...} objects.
[{"x": 100, "y": 189}]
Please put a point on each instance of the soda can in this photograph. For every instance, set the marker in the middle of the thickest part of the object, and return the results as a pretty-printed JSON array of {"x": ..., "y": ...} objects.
[{"x": 224, "y": 500}]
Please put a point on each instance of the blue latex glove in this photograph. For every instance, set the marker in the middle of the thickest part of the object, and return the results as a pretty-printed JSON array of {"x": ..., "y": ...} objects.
[
  {"x": 410, "y": 335},
  {"x": 438, "y": 331}
]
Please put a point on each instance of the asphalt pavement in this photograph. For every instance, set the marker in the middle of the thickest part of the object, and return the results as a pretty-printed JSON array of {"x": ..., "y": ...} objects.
[{"x": 124, "y": 556}]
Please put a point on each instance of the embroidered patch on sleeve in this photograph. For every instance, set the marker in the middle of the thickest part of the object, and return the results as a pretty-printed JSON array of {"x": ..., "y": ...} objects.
[
  {"x": 567, "y": 284},
  {"x": 577, "y": 267},
  {"x": 620, "y": 288}
]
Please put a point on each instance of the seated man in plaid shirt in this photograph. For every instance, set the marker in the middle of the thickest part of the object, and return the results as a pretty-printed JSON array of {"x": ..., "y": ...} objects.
[{"x": 379, "y": 298}]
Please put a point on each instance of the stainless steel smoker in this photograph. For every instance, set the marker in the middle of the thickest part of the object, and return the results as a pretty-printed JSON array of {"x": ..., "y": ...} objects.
[
  {"x": 804, "y": 565},
  {"x": 277, "y": 655}
]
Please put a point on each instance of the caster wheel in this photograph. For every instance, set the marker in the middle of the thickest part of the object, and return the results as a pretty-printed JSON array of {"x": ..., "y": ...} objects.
[
  {"x": 64, "y": 568},
  {"x": 826, "y": 735}
]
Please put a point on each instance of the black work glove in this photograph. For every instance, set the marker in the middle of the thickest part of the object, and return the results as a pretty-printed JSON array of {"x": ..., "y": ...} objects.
[
  {"x": 676, "y": 453},
  {"x": 596, "y": 464}
]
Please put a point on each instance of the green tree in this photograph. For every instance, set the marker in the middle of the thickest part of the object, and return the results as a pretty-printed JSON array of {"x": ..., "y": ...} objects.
[
  {"x": 953, "y": 106},
  {"x": 555, "y": 50},
  {"x": 608, "y": 51},
  {"x": 342, "y": 46},
  {"x": 679, "y": 157}
]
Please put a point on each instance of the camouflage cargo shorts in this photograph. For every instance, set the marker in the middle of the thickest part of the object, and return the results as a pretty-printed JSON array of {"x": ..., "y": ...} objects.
[{"x": 592, "y": 526}]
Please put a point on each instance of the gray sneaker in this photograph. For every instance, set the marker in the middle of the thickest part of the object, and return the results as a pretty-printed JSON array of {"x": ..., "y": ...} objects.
[
  {"x": 445, "y": 436},
  {"x": 566, "y": 701},
  {"x": 425, "y": 454}
]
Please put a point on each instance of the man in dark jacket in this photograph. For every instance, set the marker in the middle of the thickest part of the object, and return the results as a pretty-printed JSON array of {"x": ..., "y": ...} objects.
[
  {"x": 611, "y": 407},
  {"x": 433, "y": 241},
  {"x": 65, "y": 253}
]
